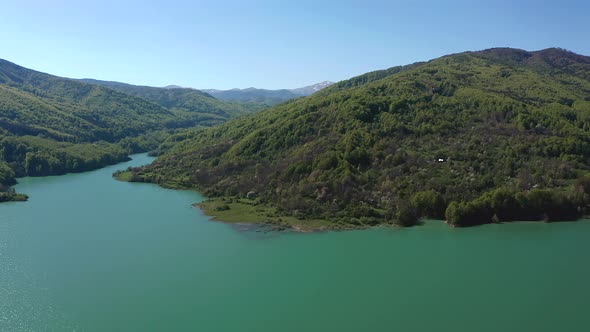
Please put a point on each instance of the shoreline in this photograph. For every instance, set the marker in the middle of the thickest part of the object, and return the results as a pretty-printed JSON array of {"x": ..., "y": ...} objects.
[
  {"x": 250, "y": 212},
  {"x": 11, "y": 196},
  {"x": 20, "y": 197}
]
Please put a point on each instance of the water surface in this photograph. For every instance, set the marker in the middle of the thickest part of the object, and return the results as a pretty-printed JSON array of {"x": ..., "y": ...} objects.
[{"x": 88, "y": 253}]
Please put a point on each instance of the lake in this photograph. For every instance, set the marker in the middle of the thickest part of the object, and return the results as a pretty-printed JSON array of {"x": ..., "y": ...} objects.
[{"x": 88, "y": 253}]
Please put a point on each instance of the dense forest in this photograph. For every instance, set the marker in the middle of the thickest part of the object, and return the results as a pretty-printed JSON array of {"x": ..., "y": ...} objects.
[
  {"x": 476, "y": 137},
  {"x": 51, "y": 125}
]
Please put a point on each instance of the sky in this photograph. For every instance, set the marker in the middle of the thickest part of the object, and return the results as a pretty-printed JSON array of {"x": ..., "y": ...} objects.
[{"x": 270, "y": 44}]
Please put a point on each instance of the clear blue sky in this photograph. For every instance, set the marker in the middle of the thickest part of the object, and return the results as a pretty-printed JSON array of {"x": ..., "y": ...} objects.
[{"x": 270, "y": 44}]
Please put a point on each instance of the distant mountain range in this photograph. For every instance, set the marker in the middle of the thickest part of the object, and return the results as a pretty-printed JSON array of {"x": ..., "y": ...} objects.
[
  {"x": 257, "y": 98},
  {"x": 264, "y": 96},
  {"x": 175, "y": 97},
  {"x": 311, "y": 89}
]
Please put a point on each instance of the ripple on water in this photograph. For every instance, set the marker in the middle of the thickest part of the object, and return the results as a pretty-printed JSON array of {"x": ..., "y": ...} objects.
[{"x": 24, "y": 305}]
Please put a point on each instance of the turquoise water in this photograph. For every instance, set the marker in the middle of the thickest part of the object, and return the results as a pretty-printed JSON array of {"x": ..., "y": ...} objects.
[{"x": 88, "y": 253}]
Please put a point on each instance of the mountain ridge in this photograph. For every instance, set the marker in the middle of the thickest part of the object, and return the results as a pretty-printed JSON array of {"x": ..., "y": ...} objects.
[
  {"x": 311, "y": 89},
  {"x": 184, "y": 99},
  {"x": 266, "y": 96}
]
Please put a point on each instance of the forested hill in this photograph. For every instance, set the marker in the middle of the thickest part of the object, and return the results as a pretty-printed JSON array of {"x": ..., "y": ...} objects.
[
  {"x": 495, "y": 135},
  {"x": 34, "y": 103},
  {"x": 53, "y": 125}
]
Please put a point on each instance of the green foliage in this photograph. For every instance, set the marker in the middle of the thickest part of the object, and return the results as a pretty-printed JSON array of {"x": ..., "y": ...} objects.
[
  {"x": 51, "y": 125},
  {"x": 7, "y": 178},
  {"x": 405, "y": 215},
  {"x": 12, "y": 197},
  {"x": 472, "y": 213},
  {"x": 35, "y": 156},
  {"x": 462, "y": 125},
  {"x": 37, "y": 104},
  {"x": 431, "y": 204},
  {"x": 505, "y": 204},
  {"x": 7, "y": 175},
  {"x": 582, "y": 185}
]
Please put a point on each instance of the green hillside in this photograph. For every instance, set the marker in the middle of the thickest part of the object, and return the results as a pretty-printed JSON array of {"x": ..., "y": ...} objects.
[
  {"x": 496, "y": 135},
  {"x": 51, "y": 125}
]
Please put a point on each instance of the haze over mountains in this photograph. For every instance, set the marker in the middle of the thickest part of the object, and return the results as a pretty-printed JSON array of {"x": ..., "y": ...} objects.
[
  {"x": 166, "y": 96},
  {"x": 268, "y": 97},
  {"x": 311, "y": 89},
  {"x": 184, "y": 99}
]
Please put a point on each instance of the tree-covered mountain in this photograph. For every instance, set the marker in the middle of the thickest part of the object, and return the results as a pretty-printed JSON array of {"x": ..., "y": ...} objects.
[
  {"x": 53, "y": 125},
  {"x": 266, "y": 97},
  {"x": 495, "y": 135},
  {"x": 34, "y": 103}
]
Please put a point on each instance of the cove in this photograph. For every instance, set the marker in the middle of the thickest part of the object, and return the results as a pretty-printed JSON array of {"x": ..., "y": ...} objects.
[{"x": 88, "y": 253}]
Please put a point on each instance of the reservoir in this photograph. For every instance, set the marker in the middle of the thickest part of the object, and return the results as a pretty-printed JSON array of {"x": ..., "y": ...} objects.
[{"x": 88, "y": 253}]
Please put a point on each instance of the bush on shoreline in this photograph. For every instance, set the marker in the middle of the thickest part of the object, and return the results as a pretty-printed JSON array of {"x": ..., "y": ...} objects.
[{"x": 505, "y": 205}]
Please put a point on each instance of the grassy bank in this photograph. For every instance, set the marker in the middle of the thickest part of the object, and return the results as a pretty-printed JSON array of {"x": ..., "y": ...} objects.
[{"x": 243, "y": 210}]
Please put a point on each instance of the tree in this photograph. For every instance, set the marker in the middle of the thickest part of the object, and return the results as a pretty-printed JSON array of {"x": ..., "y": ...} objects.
[
  {"x": 504, "y": 204},
  {"x": 583, "y": 185},
  {"x": 405, "y": 215},
  {"x": 429, "y": 204}
]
